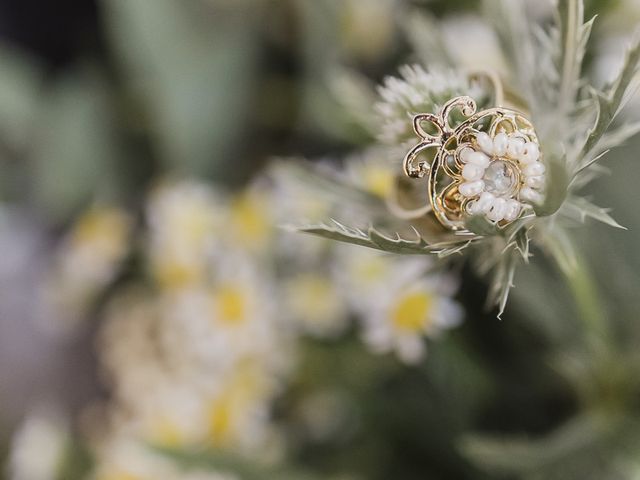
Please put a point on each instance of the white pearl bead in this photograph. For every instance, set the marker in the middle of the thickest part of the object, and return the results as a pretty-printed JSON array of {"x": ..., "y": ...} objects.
[
  {"x": 472, "y": 171},
  {"x": 531, "y": 153},
  {"x": 530, "y": 195},
  {"x": 472, "y": 207},
  {"x": 485, "y": 143},
  {"x": 512, "y": 210},
  {"x": 535, "y": 182},
  {"x": 500, "y": 143},
  {"x": 497, "y": 210},
  {"x": 479, "y": 158},
  {"x": 534, "y": 169},
  {"x": 485, "y": 202},
  {"x": 464, "y": 154},
  {"x": 515, "y": 149},
  {"x": 471, "y": 189}
]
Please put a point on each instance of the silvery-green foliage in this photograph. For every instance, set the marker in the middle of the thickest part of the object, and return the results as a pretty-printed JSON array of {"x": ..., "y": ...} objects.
[{"x": 572, "y": 117}]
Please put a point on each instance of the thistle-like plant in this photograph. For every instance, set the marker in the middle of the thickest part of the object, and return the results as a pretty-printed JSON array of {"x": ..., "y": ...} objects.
[{"x": 574, "y": 124}]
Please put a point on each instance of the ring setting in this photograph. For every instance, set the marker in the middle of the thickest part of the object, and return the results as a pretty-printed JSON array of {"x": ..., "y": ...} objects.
[{"x": 478, "y": 163}]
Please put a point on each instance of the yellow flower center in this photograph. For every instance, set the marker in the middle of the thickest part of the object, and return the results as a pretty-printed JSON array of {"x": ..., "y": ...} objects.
[
  {"x": 171, "y": 274},
  {"x": 118, "y": 475},
  {"x": 378, "y": 181},
  {"x": 251, "y": 221},
  {"x": 313, "y": 297},
  {"x": 371, "y": 270},
  {"x": 411, "y": 313},
  {"x": 220, "y": 423},
  {"x": 231, "y": 305},
  {"x": 166, "y": 433},
  {"x": 104, "y": 228}
]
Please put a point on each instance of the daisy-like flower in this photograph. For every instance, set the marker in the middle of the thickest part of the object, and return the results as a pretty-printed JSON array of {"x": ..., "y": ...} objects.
[
  {"x": 418, "y": 90},
  {"x": 183, "y": 219},
  {"x": 399, "y": 301},
  {"x": 399, "y": 319},
  {"x": 224, "y": 319},
  {"x": 88, "y": 259},
  {"x": 503, "y": 180},
  {"x": 314, "y": 302}
]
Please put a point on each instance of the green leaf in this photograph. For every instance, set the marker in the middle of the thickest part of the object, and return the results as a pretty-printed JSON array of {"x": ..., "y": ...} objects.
[
  {"x": 423, "y": 33},
  {"x": 75, "y": 158},
  {"x": 479, "y": 225},
  {"x": 573, "y": 442},
  {"x": 221, "y": 462},
  {"x": 574, "y": 35},
  {"x": 502, "y": 280},
  {"x": 609, "y": 101},
  {"x": 561, "y": 247},
  {"x": 581, "y": 208},
  {"x": 378, "y": 241},
  {"x": 191, "y": 72},
  {"x": 521, "y": 239},
  {"x": 556, "y": 188}
]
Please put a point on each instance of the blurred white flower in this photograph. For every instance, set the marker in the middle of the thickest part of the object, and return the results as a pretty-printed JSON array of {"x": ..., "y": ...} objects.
[
  {"x": 89, "y": 258},
  {"x": 400, "y": 300},
  {"x": 232, "y": 315},
  {"x": 38, "y": 447},
  {"x": 314, "y": 302},
  {"x": 400, "y": 318},
  {"x": 473, "y": 44},
  {"x": 358, "y": 18},
  {"x": 417, "y": 90},
  {"x": 183, "y": 219}
]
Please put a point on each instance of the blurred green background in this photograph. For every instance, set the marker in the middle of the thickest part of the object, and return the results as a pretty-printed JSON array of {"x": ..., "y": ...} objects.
[{"x": 99, "y": 99}]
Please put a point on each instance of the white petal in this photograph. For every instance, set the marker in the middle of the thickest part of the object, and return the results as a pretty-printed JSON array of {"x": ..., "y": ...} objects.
[
  {"x": 485, "y": 143},
  {"x": 472, "y": 171},
  {"x": 479, "y": 158},
  {"x": 471, "y": 189},
  {"x": 530, "y": 195},
  {"x": 411, "y": 349},
  {"x": 513, "y": 210},
  {"x": 500, "y": 143},
  {"x": 515, "y": 149},
  {"x": 497, "y": 210},
  {"x": 535, "y": 182},
  {"x": 531, "y": 153},
  {"x": 534, "y": 169}
]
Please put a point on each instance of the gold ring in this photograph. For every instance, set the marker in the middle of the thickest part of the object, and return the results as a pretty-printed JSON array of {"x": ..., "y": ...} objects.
[{"x": 484, "y": 162}]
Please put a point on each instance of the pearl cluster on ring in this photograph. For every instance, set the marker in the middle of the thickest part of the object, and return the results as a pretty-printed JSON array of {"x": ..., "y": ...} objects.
[{"x": 501, "y": 175}]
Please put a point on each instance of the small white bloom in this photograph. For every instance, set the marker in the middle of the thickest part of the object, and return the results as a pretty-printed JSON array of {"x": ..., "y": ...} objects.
[
  {"x": 400, "y": 319},
  {"x": 38, "y": 447},
  {"x": 314, "y": 302}
]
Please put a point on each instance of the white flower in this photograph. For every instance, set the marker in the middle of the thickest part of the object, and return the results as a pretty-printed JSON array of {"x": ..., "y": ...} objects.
[
  {"x": 38, "y": 447},
  {"x": 418, "y": 91},
  {"x": 398, "y": 299},
  {"x": 364, "y": 275},
  {"x": 472, "y": 44},
  {"x": 88, "y": 259},
  {"x": 315, "y": 303},
  {"x": 230, "y": 316},
  {"x": 407, "y": 312},
  {"x": 183, "y": 220}
]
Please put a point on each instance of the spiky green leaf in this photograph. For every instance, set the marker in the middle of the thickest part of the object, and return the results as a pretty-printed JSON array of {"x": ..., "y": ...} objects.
[
  {"x": 372, "y": 238},
  {"x": 609, "y": 101}
]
